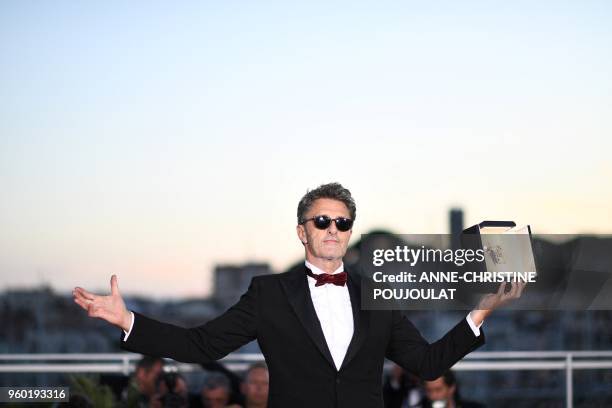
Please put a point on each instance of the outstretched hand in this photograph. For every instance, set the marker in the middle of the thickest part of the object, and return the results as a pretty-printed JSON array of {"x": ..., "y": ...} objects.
[
  {"x": 110, "y": 307},
  {"x": 492, "y": 301}
]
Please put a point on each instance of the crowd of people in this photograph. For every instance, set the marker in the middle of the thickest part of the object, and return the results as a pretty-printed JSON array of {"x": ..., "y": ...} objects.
[{"x": 151, "y": 386}]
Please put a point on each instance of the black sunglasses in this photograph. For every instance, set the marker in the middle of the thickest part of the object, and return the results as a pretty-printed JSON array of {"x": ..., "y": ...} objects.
[{"x": 323, "y": 222}]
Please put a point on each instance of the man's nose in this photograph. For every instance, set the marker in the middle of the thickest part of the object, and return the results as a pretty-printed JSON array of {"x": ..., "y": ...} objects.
[{"x": 332, "y": 229}]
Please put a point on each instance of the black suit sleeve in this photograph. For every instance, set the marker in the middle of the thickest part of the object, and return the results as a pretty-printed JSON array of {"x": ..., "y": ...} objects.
[
  {"x": 210, "y": 341},
  {"x": 410, "y": 350}
]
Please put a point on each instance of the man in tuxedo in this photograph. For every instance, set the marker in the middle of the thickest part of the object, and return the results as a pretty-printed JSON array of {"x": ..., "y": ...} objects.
[{"x": 321, "y": 348}]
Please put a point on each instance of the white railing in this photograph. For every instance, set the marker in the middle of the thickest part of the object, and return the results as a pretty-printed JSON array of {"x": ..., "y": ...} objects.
[{"x": 124, "y": 363}]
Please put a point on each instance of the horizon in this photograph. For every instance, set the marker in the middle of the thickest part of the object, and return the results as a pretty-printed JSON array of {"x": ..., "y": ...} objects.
[{"x": 556, "y": 239}]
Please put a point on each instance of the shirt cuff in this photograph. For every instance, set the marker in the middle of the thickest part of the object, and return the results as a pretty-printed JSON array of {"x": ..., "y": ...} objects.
[
  {"x": 127, "y": 333},
  {"x": 475, "y": 329}
]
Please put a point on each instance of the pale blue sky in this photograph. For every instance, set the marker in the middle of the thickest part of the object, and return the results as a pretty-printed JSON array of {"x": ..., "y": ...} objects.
[{"x": 155, "y": 139}]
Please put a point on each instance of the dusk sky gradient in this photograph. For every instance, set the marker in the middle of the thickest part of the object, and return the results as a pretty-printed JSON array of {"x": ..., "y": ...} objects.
[{"x": 154, "y": 140}]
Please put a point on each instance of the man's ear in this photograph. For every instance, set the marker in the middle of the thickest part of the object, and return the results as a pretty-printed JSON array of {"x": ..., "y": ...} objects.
[{"x": 301, "y": 234}]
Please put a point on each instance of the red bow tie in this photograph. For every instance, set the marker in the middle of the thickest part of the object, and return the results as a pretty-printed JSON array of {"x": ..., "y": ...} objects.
[{"x": 338, "y": 279}]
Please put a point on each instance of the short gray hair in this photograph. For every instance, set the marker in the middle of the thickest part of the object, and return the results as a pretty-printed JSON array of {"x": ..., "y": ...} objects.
[{"x": 334, "y": 191}]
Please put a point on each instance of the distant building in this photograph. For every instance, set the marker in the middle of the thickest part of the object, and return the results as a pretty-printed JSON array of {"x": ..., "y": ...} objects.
[
  {"x": 456, "y": 226},
  {"x": 231, "y": 281}
]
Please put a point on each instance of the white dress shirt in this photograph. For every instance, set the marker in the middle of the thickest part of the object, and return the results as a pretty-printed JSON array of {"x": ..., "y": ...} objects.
[{"x": 333, "y": 306}]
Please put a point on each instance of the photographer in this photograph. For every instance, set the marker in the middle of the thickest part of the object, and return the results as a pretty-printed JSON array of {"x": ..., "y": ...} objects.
[{"x": 172, "y": 392}]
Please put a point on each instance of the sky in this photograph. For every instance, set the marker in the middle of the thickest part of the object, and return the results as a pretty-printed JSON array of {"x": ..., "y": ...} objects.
[{"x": 155, "y": 140}]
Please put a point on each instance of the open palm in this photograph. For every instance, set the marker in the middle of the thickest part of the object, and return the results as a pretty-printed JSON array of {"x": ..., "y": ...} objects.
[{"x": 110, "y": 307}]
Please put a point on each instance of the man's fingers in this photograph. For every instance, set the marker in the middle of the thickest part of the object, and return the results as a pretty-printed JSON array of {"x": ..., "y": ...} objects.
[
  {"x": 502, "y": 297},
  {"x": 521, "y": 287},
  {"x": 516, "y": 289},
  {"x": 79, "y": 295},
  {"x": 91, "y": 310},
  {"x": 81, "y": 303},
  {"x": 85, "y": 294},
  {"x": 114, "y": 286},
  {"x": 510, "y": 293}
]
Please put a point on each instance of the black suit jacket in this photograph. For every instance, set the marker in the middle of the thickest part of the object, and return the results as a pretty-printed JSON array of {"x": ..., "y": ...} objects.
[{"x": 277, "y": 310}]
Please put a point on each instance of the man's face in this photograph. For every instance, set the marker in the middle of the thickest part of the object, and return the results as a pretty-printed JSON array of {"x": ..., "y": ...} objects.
[
  {"x": 255, "y": 388},
  {"x": 328, "y": 244},
  {"x": 437, "y": 390},
  {"x": 215, "y": 397}
]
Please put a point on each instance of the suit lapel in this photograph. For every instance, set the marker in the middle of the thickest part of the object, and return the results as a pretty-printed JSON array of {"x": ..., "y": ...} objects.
[
  {"x": 298, "y": 293},
  {"x": 360, "y": 318}
]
